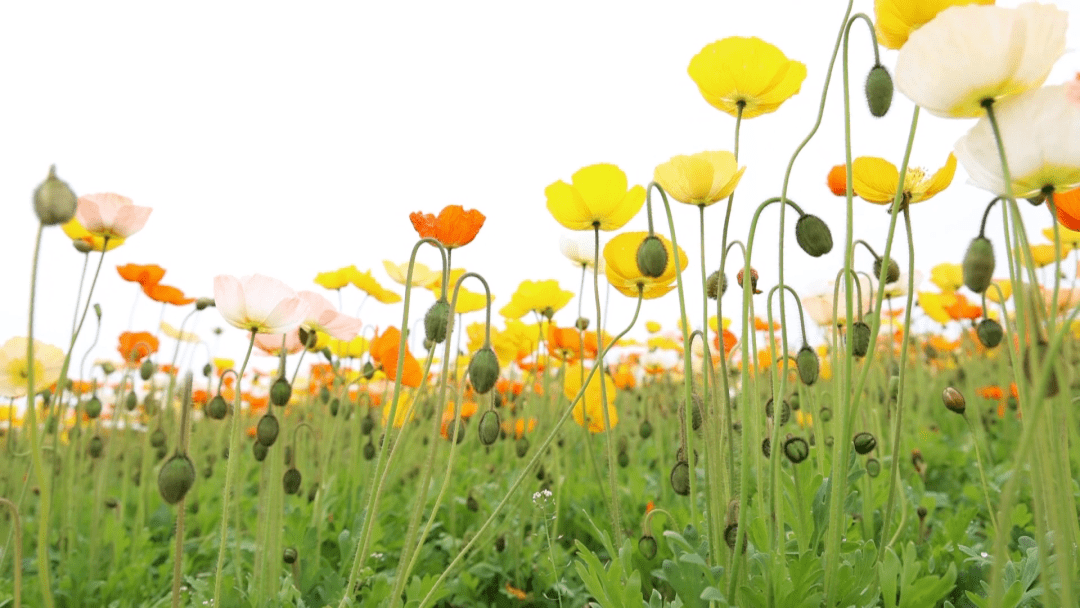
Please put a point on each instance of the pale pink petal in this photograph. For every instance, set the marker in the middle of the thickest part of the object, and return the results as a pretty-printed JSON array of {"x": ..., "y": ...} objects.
[
  {"x": 342, "y": 327},
  {"x": 229, "y": 300},
  {"x": 271, "y": 343},
  {"x": 262, "y": 294},
  {"x": 88, "y": 214},
  {"x": 317, "y": 305},
  {"x": 129, "y": 220},
  {"x": 1072, "y": 91},
  {"x": 286, "y": 315}
]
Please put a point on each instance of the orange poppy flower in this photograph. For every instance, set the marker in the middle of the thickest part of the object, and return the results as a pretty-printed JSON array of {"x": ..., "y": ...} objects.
[
  {"x": 81, "y": 387},
  {"x": 199, "y": 397},
  {"x": 837, "y": 180},
  {"x": 649, "y": 506},
  {"x": 567, "y": 343},
  {"x": 166, "y": 294},
  {"x": 730, "y": 340},
  {"x": 514, "y": 591},
  {"x": 453, "y": 227},
  {"x": 384, "y": 351},
  {"x": 990, "y": 392},
  {"x": 1067, "y": 206},
  {"x": 508, "y": 387},
  {"x": 468, "y": 410},
  {"x": 763, "y": 325},
  {"x": 961, "y": 308},
  {"x": 135, "y": 346},
  {"x": 518, "y": 427},
  {"x": 148, "y": 274}
]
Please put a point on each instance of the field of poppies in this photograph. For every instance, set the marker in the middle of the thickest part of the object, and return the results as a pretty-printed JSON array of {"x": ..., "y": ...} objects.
[{"x": 920, "y": 455}]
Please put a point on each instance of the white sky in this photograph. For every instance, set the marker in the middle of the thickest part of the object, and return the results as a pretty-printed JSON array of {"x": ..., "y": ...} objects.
[{"x": 285, "y": 140}]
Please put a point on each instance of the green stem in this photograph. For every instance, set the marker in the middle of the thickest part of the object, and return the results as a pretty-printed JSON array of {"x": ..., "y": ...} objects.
[
  {"x": 17, "y": 528},
  {"x": 613, "y": 470}
]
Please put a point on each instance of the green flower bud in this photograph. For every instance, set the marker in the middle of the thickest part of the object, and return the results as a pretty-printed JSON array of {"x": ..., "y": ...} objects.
[
  {"x": 484, "y": 370},
  {"x": 731, "y": 536},
  {"x": 157, "y": 438},
  {"x": 647, "y": 546},
  {"x": 873, "y": 467},
  {"x": 489, "y": 427},
  {"x": 766, "y": 447},
  {"x": 108, "y": 368},
  {"x": 289, "y": 555},
  {"x": 796, "y": 449},
  {"x": 892, "y": 274},
  {"x": 259, "y": 451},
  {"x": 864, "y": 443},
  {"x": 291, "y": 480},
  {"x": 280, "y": 392},
  {"x": 521, "y": 447},
  {"x": 623, "y": 459},
  {"x": 366, "y": 425},
  {"x": 652, "y": 257},
  {"x": 806, "y": 361},
  {"x": 95, "y": 447},
  {"x": 266, "y": 432},
  {"x": 860, "y": 336},
  {"x": 54, "y": 202},
  {"x": 217, "y": 408},
  {"x": 813, "y": 235},
  {"x": 979, "y": 264},
  {"x": 471, "y": 504},
  {"x": 581, "y": 324},
  {"x": 436, "y": 321},
  {"x": 753, "y": 280},
  {"x": 879, "y": 90},
  {"x": 894, "y": 387},
  {"x": 207, "y": 370},
  {"x": 334, "y": 406},
  {"x": 203, "y": 303},
  {"x": 369, "y": 371},
  {"x": 82, "y": 246},
  {"x": 369, "y": 450},
  {"x": 645, "y": 430},
  {"x": 175, "y": 478},
  {"x": 954, "y": 400},
  {"x": 715, "y": 285},
  {"x": 147, "y": 369},
  {"x": 785, "y": 411},
  {"x": 131, "y": 402},
  {"x": 680, "y": 478},
  {"x": 93, "y": 407},
  {"x": 989, "y": 332}
]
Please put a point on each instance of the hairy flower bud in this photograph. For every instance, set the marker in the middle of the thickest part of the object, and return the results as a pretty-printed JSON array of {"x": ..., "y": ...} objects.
[
  {"x": 147, "y": 369},
  {"x": 864, "y": 443},
  {"x": 266, "y": 432},
  {"x": 753, "y": 280},
  {"x": 680, "y": 478},
  {"x": 54, "y": 202},
  {"x": 203, "y": 303},
  {"x": 93, "y": 407},
  {"x": 813, "y": 235},
  {"x": 715, "y": 285},
  {"x": 879, "y": 90},
  {"x": 82, "y": 246},
  {"x": 806, "y": 361},
  {"x": 280, "y": 392},
  {"x": 437, "y": 322},
  {"x": 796, "y": 449},
  {"x": 489, "y": 427},
  {"x": 484, "y": 370},
  {"x": 291, "y": 480},
  {"x": 989, "y": 332},
  {"x": 860, "y": 337},
  {"x": 647, "y": 546},
  {"x": 978, "y": 264},
  {"x": 892, "y": 273},
  {"x": 217, "y": 408},
  {"x": 176, "y": 478},
  {"x": 652, "y": 257},
  {"x": 953, "y": 400}
]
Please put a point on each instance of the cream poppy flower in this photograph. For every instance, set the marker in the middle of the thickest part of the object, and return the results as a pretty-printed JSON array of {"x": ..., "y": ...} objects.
[
  {"x": 895, "y": 20},
  {"x": 968, "y": 54},
  {"x": 1041, "y": 133},
  {"x": 14, "y": 367},
  {"x": 111, "y": 216},
  {"x": 581, "y": 250},
  {"x": 421, "y": 274},
  {"x": 258, "y": 303},
  {"x": 699, "y": 179}
]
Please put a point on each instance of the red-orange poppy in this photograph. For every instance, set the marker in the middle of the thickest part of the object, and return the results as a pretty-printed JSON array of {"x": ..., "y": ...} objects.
[
  {"x": 453, "y": 227},
  {"x": 166, "y": 294},
  {"x": 508, "y": 387},
  {"x": 518, "y": 593},
  {"x": 730, "y": 340},
  {"x": 649, "y": 506},
  {"x": 135, "y": 346},
  {"x": 468, "y": 410},
  {"x": 1067, "y": 205},
  {"x": 961, "y": 308},
  {"x": 568, "y": 344},
  {"x": 838, "y": 180},
  {"x": 518, "y": 427},
  {"x": 143, "y": 274},
  {"x": 762, "y": 325},
  {"x": 384, "y": 352}
]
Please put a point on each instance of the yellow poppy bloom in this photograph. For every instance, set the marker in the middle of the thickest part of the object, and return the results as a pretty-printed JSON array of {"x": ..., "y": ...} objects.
[
  {"x": 620, "y": 255},
  {"x": 467, "y": 301},
  {"x": 589, "y": 412},
  {"x": 76, "y": 232},
  {"x": 948, "y": 277},
  {"x": 436, "y": 285},
  {"x": 176, "y": 334},
  {"x": 664, "y": 343},
  {"x": 405, "y": 411},
  {"x": 335, "y": 279},
  {"x": 652, "y": 327},
  {"x": 353, "y": 348},
  {"x": 597, "y": 197},
  {"x": 745, "y": 71},
  {"x": 540, "y": 296},
  {"x": 1044, "y": 254},
  {"x": 366, "y": 283},
  {"x": 699, "y": 179},
  {"x": 894, "y": 20},
  {"x": 421, "y": 274},
  {"x": 1069, "y": 238},
  {"x": 222, "y": 364},
  {"x": 874, "y": 180},
  {"x": 934, "y": 305},
  {"x": 14, "y": 366}
]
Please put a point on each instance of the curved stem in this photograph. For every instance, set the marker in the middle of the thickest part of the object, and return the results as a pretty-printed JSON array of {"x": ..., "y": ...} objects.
[
  {"x": 613, "y": 470},
  {"x": 17, "y": 528}
]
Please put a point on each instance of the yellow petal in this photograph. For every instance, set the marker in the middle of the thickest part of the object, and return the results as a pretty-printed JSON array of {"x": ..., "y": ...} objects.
[
  {"x": 874, "y": 179},
  {"x": 941, "y": 179}
]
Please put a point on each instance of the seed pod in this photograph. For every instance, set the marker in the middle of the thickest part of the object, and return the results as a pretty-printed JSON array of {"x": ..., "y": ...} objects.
[
  {"x": 623, "y": 459},
  {"x": 806, "y": 361},
  {"x": 157, "y": 438},
  {"x": 680, "y": 478},
  {"x": 796, "y": 449},
  {"x": 93, "y": 407},
  {"x": 581, "y": 324},
  {"x": 766, "y": 447},
  {"x": 860, "y": 336},
  {"x": 280, "y": 392},
  {"x": 647, "y": 546},
  {"x": 259, "y": 451},
  {"x": 652, "y": 257},
  {"x": 813, "y": 235},
  {"x": 953, "y": 400},
  {"x": 484, "y": 370},
  {"x": 978, "y": 264},
  {"x": 489, "y": 427},
  {"x": 873, "y": 467},
  {"x": 892, "y": 273},
  {"x": 147, "y": 369},
  {"x": 369, "y": 450},
  {"x": 175, "y": 478},
  {"x": 217, "y": 408},
  {"x": 369, "y": 371},
  {"x": 521, "y": 447},
  {"x": 290, "y": 481},
  {"x": 54, "y": 202},
  {"x": 289, "y": 555},
  {"x": 645, "y": 430},
  {"x": 989, "y": 332},
  {"x": 753, "y": 280},
  {"x": 266, "y": 432},
  {"x": 96, "y": 446},
  {"x": 207, "y": 370},
  {"x": 864, "y": 443},
  {"x": 437, "y": 322},
  {"x": 879, "y": 90},
  {"x": 716, "y": 285}
]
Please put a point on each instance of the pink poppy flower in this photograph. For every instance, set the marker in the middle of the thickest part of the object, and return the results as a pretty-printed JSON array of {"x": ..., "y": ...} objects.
[
  {"x": 258, "y": 303},
  {"x": 271, "y": 343},
  {"x": 111, "y": 215},
  {"x": 322, "y": 316}
]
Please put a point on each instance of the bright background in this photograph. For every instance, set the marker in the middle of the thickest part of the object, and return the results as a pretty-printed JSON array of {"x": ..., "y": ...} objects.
[{"x": 289, "y": 141}]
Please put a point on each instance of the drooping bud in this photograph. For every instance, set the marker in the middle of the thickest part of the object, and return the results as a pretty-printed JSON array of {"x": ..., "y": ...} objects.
[
  {"x": 753, "y": 280},
  {"x": 489, "y": 427},
  {"x": 864, "y": 443},
  {"x": 954, "y": 400},
  {"x": 217, "y": 408},
  {"x": 873, "y": 467},
  {"x": 54, "y": 202},
  {"x": 860, "y": 338},
  {"x": 334, "y": 406},
  {"x": 652, "y": 257},
  {"x": 521, "y": 447},
  {"x": 645, "y": 430},
  {"x": 796, "y": 449},
  {"x": 879, "y": 90},
  {"x": 785, "y": 411},
  {"x": 623, "y": 459},
  {"x": 369, "y": 450},
  {"x": 259, "y": 451},
  {"x": 978, "y": 264},
  {"x": 157, "y": 438},
  {"x": 766, "y": 447},
  {"x": 280, "y": 392},
  {"x": 484, "y": 370},
  {"x": 176, "y": 478},
  {"x": 892, "y": 273},
  {"x": 289, "y": 555},
  {"x": 147, "y": 369},
  {"x": 581, "y": 324},
  {"x": 207, "y": 370},
  {"x": 131, "y": 401},
  {"x": 436, "y": 321},
  {"x": 82, "y": 246},
  {"x": 680, "y": 478},
  {"x": 813, "y": 235},
  {"x": 291, "y": 480},
  {"x": 266, "y": 432},
  {"x": 806, "y": 361},
  {"x": 204, "y": 303},
  {"x": 96, "y": 446},
  {"x": 107, "y": 368},
  {"x": 989, "y": 332},
  {"x": 93, "y": 407},
  {"x": 369, "y": 371},
  {"x": 716, "y": 285},
  {"x": 366, "y": 425},
  {"x": 647, "y": 546}
]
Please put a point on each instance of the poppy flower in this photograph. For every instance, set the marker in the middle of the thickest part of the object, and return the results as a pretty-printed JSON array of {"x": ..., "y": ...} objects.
[
  {"x": 519, "y": 427},
  {"x": 467, "y": 301},
  {"x": 968, "y": 54},
  {"x": 597, "y": 197},
  {"x": 405, "y": 411},
  {"x": 1040, "y": 130},
  {"x": 589, "y": 411},
  {"x": 1069, "y": 238},
  {"x": 271, "y": 344},
  {"x": 947, "y": 276},
  {"x": 354, "y": 348},
  {"x": 366, "y": 283},
  {"x": 874, "y": 180},
  {"x": 837, "y": 180},
  {"x": 176, "y": 334},
  {"x": 581, "y": 250},
  {"x": 568, "y": 344},
  {"x": 258, "y": 303},
  {"x": 421, "y": 275},
  {"x": 960, "y": 308},
  {"x": 14, "y": 367},
  {"x": 700, "y": 179},
  {"x": 322, "y": 316},
  {"x": 623, "y": 273},
  {"x": 336, "y": 279},
  {"x": 935, "y": 305},
  {"x": 652, "y": 327},
  {"x": 1006, "y": 290},
  {"x": 730, "y": 341},
  {"x": 385, "y": 352},
  {"x": 75, "y": 231},
  {"x": 748, "y": 72},
  {"x": 135, "y": 346},
  {"x": 1044, "y": 254},
  {"x": 110, "y": 215},
  {"x": 468, "y": 410},
  {"x": 895, "y": 20},
  {"x": 166, "y": 294},
  {"x": 454, "y": 226},
  {"x": 148, "y": 274},
  {"x": 539, "y": 296}
]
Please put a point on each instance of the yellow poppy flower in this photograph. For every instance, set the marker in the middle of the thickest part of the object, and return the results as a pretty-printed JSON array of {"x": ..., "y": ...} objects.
[
  {"x": 597, "y": 197},
  {"x": 467, "y": 301},
  {"x": 874, "y": 180},
  {"x": 699, "y": 179},
  {"x": 652, "y": 327},
  {"x": 540, "y": 296},
  {"x": 366, "y": 283},
  {"x": 589, "y": 412},
  {"x": 1069, "y": 238},
  {"x": 335, "y": 279},
  {"x": 14, "y": 366},
  {"x": 436, "y": 285},
  {"x": 421, "y": 274},
  {"x": 405, "y": 411},
  {"x": 176, "y": 334},
  {"x": 948, "y": 277},
  {"x": 664, "y": 343},
  {"x": 934, "y": 304},
  {"x": 894, "y": 20},
  {"x": 222, "y": 364},
  {"x": 745, "y": 71},
  {"x": 620, "y": 255},
  {"x": 1044, "y": 254},
  {"x": 353, "y": 348},
  {"x": 76, "y": 232}
]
